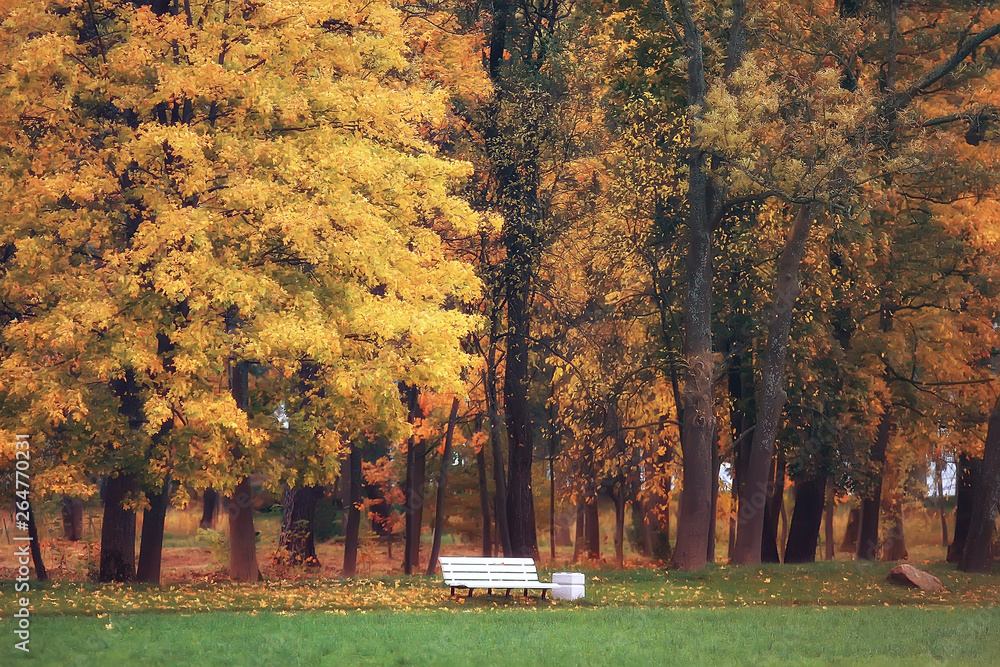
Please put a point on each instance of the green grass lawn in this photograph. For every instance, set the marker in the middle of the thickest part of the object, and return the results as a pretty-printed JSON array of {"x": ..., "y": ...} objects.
[
  {"x": 554, "y": 636},
  {"x": 841, "y": 611}
]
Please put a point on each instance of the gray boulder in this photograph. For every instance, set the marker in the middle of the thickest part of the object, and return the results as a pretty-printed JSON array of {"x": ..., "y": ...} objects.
[{"x": 907, "y": 575}]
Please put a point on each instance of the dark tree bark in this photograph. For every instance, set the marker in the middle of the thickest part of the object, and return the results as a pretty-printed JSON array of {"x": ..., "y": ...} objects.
[
  {"x": 493, "y": 415},
  {"x": 242, "y": 534},
  {"x": 742, "y": 409},
  {"x": 642, "y": 525},
  {"x": 442, "y": 488},
  {"x": 151, "y": 542},
  {"x": 939, "y": 487},
  {"x": 871, "y": 503},
  {"x": 976, "y": 556},
  {"x": 298, "y": 514},
  {"x": 850, "y": 542},
  {"x": 803, "y": 533},
  {"x": 353, "y": 527},
  {"x": 714, "y": 491},
  {"x": 72, "y": 518},
  {"x": 580, "y": 532},
  {"x": 894, "y": 542},
  {"x": 209, "y": 508},
  {"x": 593, "y": 530},
  {"x": 831, "y": 508},
  {"x": 769, "y": 542},
  {"x": 774, "y": 504},
  {"x": 41, "y": 574},
  {"x": 416, "y": 477},
  {"x": 554, "y": 435},
  {"x": 968, "y": 475},
  {"x": 520, "y": 501},
  {"x": 484, "y": 502},
  {"x": 698, "y": 430},
  {"x": 618, "y": 496},
  {"x": 117, "y": 561},
  {"x": 783, "y": 514},
  {"x": 118, "y": 530},
  {"x": 772, "y": 394},
  {"x": 514, "y": 153}
]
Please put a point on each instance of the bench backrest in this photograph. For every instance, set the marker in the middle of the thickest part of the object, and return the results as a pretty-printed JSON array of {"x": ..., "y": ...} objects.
[{"x": 499, "y": 570}]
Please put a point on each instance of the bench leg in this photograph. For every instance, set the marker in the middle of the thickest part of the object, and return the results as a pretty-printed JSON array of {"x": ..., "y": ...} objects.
[
  {"x": 508, "y": 593},
  {"x": 489, "y": 591},
  {"x": 543, "y": 593},
  {"x": 470, "y": 592},
  {"x": 452, "y": 591}
]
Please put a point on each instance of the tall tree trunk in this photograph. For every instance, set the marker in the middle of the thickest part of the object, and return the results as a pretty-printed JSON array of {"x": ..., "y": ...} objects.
[
  {"x": 714, "y": 490},
  {"x": 772, "y": 394},
  {"x": 416, "y": 477},
  {"x": 977, "y": 557},
  {"x": 731, "y": 544},
  {"x": 209, "y": 508},
  {"x": 118, "y": 530},
  {"x": 772, "y": 511},
  {"x": 484, "y": 502},
  {"x": 353, "y": 527},
  {"x": 442, "y": 489},
  {"x": 499, "y": 470},
  {"x": 831, "y": 508},
  {"x": 939, "y": 484},
  {"x": 619, "y": 499},
  {"x": 894, "y": 544},
  {"x": 298, "y": 516},
  {"x": 850, "y": 541},
  {"x": 641, "y": 522},
  {"x": 698, "y": 430},
  {"x": 967, "y": 480},
  {"x": 520, "y": 501},
  {"x": 552, "y": 508},
  {"x": 151, "y": 542},
  {"x": 41, "y": 574},
  {"x": 554, "y": 435},
  {"x": 593, "y": 530},
  {"x": 803, "y": 533},
  {"x": 72, "y": 518},
  {"x": 242, "y": 534},
  {"x": 580, "y": 531},
  {"x": 784, "y": 529},
  {"x": 871, "y": 503},
  {"x": 742, "y": 409}
]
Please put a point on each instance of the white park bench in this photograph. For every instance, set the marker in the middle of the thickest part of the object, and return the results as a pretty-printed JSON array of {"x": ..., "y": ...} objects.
[{"x": 490, "y": 573}]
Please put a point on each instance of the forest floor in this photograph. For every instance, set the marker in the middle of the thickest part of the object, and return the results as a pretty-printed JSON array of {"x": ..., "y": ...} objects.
[{"x": 823, "y": 584}]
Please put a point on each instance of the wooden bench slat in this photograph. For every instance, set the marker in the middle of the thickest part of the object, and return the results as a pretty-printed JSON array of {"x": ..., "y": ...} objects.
[
  {"x": 500, "y": 584},
  {"x": 483, "y": 572},
  {"x": 485, "y": 560},
  {"x": 505, "y": 570}
]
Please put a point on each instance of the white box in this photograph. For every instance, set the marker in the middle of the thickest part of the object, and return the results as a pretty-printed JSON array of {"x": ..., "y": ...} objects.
[
  {"x": 567, "y": 592},
  {"x": 569, "y": 585},
  {"x": 574, "y": 578}
]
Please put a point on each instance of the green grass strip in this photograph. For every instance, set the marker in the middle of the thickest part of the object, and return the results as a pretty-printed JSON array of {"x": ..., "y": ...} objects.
[{"x": 542, "y": 636}]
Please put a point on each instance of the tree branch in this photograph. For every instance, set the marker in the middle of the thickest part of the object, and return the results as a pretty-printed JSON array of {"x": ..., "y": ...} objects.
[{"x": 963, "y": 51}]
